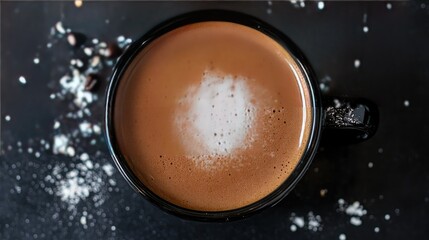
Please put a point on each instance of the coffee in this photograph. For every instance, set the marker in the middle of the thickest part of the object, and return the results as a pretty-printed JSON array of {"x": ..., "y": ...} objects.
[{"x": 212, "y": 116}]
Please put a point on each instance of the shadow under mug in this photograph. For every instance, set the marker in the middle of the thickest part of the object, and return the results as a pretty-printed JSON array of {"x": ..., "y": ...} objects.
[{"x": 341, "y": 119}]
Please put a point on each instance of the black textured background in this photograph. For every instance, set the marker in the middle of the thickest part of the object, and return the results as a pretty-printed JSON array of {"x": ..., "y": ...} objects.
[{"x": 394, "y": 57}]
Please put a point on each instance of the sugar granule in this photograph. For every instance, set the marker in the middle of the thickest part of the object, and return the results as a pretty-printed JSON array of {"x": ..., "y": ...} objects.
[
  {"x": 22, "y": 80},
  {"x": 406, "y": 103},
  {"x": 320, "y": 5},
  {"x": 389, "y": 6},
  {"x": 299, "y": 221},
  {"x": 357, "y": 63},
  {"x": 355, "y": 221}
]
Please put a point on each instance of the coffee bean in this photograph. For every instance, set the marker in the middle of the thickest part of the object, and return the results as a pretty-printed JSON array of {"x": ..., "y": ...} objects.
[{"x": 90, "y": 82}]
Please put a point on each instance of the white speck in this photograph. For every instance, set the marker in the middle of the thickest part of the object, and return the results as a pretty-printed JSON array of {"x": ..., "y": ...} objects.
[
  {"x": 293, "y": 228},
  {"x": 108, "y": 169},
  {"x": 78, "y": 3},
  {"x": 7, "y": 118},
  {"x": 356, "y": 209},
  {"x": 120, "y": 38},
  {"x": 423, "y": 5},
  {"x": 96, "y": 129},
  {"x": 36, "y": 60},
  {"x": 376, "y": 229},
  {"x": 112, "y": 182},
  {"x": 299, "y": 221},
  {"x": 380, "y": 150},
  {"x": 323, "y": 192},
  {"x": 49, "y": 45},
  {"x": 302, "y": 3},
  {"x": 85, "y": 128},
  {"x": 95, "y": 41},
  {"x": 370, "y": 165},
  {"x": 269, "y": 11},
  {"x": 56, "y": 125},
  {"x": 30, "y": 150},
  {"x": 70, "y": 151},
  {"x": 83, "y": 220},
  {"x": 52, "y": 96},
  {"x": 89, "y": 164},
  {"x": 365, "y": 29},
  {"x": 357, "y": 63},
  {"x": 314, "y": 222},
  {"x": 18, "y": 177},
  {"x": 355, "y": 221},
  {"x": 406, "y": 103},
  {"x": 76, "y": 62},
  {"x": 60, "y": 144},
  {"x": 113, "y": 228},
  {"x": 84, "y": 156},
  {"x": 387, "y": 217},
  {"x": 337, "y": 103},
  {"x": 342, "y": 236},
  {"x": 37, "y": 154},
  {"x": 389, "y": 6},
  {"x": 341, "y": 201},
  {"x": 270, "y": 3},
  {"x": 320, "y": 5},
  {"x": 60, "y": 28},
  {"x": 17, "y": 189},
  {"x": 22, "y": 80},
  {"x": 87, "y": 51}
]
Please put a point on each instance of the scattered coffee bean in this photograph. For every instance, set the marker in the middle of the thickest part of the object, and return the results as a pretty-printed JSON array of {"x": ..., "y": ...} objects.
[{"x": 91, "y": 81}]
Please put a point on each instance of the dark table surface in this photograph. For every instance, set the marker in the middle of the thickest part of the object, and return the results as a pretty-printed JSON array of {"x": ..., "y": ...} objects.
[{"x": 388, "y": 176}]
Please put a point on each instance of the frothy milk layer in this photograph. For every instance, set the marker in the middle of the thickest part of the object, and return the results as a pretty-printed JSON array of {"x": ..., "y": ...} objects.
[
  {"x": 212, "y": 116},
  {"x": 215, "y": 118}
]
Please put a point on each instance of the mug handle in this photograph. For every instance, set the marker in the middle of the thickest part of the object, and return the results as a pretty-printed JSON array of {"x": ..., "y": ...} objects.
[{"x": 349, "y": 120}]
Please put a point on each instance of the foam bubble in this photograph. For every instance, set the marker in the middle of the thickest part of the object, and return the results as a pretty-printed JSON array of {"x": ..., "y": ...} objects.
[{"x": 218, "y": 118}]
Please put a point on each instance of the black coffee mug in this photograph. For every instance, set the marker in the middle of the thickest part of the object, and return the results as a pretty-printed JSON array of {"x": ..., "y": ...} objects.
[{"x": 341, "y": 119}]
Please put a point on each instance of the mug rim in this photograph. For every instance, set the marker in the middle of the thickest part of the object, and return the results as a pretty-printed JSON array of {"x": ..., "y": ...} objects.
[{"x": 224, "y": 16}]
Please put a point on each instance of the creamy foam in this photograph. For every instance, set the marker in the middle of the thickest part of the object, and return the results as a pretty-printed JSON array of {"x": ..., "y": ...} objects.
[
  {"x": 212, "y": 116},
  {"x": 215, "y": 117}
]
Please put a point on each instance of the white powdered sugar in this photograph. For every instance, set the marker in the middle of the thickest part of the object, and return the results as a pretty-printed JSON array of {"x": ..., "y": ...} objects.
[
  {"x": 219, "y": 118},
  {"x": 310, "y": 222},
  {"x": 84, "y": 181},
  {"x": 22, "y": 80},
  {"x": 75, "y": 85},
  {"x": 356, "y": 211},
  {"x": 60, "y": 144}
]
